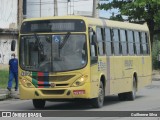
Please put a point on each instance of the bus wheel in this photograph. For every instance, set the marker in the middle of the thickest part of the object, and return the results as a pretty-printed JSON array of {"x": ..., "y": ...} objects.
[
  {"x": 122, "y": 96},
  {"x": 38, "y": 103},
  {"x": 132, "y": 95},
  {"x": 98, "y": 102}
]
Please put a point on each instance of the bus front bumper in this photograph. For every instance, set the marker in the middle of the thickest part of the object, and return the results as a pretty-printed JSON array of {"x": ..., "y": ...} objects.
[{"x": 55, "y": 93}]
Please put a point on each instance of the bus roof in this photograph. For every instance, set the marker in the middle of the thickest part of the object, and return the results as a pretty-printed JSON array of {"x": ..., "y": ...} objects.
[{"x": 99, "y": 22}]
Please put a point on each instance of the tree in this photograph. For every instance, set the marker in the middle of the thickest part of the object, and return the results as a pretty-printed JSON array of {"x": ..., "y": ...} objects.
[
  {"x": 138, "y": 11},
  {"x": 117, "y": 17}
]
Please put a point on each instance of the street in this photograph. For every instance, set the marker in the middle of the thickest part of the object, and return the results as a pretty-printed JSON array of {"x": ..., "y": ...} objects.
[{"x": 147, "y": 100}]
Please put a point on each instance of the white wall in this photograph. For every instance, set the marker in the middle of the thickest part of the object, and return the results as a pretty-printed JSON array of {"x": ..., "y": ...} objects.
[
  {"x": 5, "y": 49},
  {"x": 8, "y": 13}
]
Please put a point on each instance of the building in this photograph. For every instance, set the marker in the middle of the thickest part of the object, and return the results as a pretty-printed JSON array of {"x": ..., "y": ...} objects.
[
  {"x": 13, "y": 11},
  {"x": 6, "y": 36},
  {"x": 8, "y": 29},
  {"x": 43, "y": 8}
]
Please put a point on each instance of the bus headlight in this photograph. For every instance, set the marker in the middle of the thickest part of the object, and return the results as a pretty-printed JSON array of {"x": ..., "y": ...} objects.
[
  {"x": 27, "y": 83},
  {"x": 79, "y": 82}
]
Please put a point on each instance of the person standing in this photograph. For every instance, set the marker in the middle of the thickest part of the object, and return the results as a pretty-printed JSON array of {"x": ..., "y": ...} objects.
[{"x": 13, "y": 72}]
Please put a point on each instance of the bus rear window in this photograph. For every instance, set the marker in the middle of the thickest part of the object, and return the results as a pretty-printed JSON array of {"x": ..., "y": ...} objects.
[{"x": 58, "y": 25}]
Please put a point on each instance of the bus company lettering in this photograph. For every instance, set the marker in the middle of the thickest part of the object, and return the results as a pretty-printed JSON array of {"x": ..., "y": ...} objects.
[
  {"x": 101, "y": 65},
  {"x": 128, "y": 63},
  {"x": 26, "y": 73}
]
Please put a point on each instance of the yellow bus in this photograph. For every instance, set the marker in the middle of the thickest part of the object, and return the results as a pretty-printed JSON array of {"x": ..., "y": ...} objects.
[{"x": 75, "y": 57}]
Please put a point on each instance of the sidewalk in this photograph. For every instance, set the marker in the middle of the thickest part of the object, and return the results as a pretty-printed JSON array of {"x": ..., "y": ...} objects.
[
  {"x": 156, "y": 75},
  {"x": 5, "y": 94}
]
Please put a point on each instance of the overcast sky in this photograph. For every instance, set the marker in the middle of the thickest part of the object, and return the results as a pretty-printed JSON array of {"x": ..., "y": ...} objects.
[{"x": 8, "y": 9}]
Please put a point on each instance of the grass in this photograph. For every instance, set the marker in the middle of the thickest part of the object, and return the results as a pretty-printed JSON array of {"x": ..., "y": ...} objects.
[{"x": 4, "y": 76}]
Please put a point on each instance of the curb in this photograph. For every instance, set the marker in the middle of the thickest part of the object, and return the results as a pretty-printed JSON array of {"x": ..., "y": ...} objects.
[
  {"x": 4, "y": 96},
  {"x": 155, "y": 79}
]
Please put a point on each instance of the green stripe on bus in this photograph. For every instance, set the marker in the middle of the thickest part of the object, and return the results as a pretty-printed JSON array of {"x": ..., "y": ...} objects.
[
  {"x": 35, "y": 79},
  {"x": 35, "y": 82}
]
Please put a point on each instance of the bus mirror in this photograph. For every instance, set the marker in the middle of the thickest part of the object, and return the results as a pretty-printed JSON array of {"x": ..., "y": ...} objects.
[
  {"x": 13, "y": 45},
  {"x": 94, "y": 39},
  {"x": 93, "y": 36},
  {"x": 91, "y": 29}
]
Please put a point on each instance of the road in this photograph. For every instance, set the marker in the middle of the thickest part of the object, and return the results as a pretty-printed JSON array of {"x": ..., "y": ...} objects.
[{"x": 148, "y": 99}]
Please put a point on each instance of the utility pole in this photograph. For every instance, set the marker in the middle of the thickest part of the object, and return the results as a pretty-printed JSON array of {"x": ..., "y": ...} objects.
[
  {"x": 40, "y": 2},
  {"x": 19, "y": 13},
  {"x": 67, "y": 6},
  {"x": 95, "y": 13},
  {"x": 55, "y": 8},
  {"x": 73, "y": 7}
]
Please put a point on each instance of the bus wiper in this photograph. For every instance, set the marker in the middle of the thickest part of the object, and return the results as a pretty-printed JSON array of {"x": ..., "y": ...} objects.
[
  {"x": 65, "y": 40},
  {"x": 40, "y": 46}
]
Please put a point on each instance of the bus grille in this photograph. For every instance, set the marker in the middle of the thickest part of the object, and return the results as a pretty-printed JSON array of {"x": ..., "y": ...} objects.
[
  {"x": 60, "y": 78},
  {"x": 53, "y": 92}
]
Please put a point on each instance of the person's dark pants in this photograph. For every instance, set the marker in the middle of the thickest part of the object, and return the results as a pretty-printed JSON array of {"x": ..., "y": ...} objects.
[{"x": 13, "y": 75}]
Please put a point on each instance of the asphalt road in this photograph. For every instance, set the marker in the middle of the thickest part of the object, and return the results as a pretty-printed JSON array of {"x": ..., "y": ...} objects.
[{"x": 148, "y": 99}]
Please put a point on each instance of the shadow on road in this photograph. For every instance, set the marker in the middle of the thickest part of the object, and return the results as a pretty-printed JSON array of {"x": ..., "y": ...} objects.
[{"x": 82, "y": 104}]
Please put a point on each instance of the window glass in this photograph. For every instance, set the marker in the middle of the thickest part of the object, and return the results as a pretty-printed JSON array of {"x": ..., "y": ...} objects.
[
  {"x": 99, "y": 33},
  {"x": 93, "y": 48},
  {"x": 147, "y": 42},
  {"x": 123, "y": 42},
  {"x": 137, "y": 42},
  {"x": 53, "y": 53},
  {"x": 108, "y": 41},
  {"x": 116, "y": 41},
  {"x": 130, "y": 42},
  {"x": 144, "y": 44}
]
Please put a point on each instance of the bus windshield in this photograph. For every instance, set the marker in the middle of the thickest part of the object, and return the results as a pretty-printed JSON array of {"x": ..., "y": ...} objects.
[{"x": 53, "y": 53}]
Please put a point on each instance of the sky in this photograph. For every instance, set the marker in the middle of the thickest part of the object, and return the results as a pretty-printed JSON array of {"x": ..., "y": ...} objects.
[{"x": 8, "y": 9}]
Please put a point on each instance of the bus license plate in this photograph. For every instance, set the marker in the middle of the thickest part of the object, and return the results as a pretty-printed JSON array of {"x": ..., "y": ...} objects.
[{"x": 78, "y": 92}]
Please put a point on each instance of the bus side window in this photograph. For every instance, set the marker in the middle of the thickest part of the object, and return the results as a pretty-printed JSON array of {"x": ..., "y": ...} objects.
[
  {"x": 93, "y": 47},
  {"x": 123, "y": 40},
  {"x": 144, "y": 43},
  {"x": 141, "y": 48},
  {"x": 130, "y": 42},
  {"x": 116, "y": 42},
  {"x": 137, "y": 42},
  {"x": 108, "y": 41},
  {"x": 100, "y": 39},
  {"x": 147, "y": 43}
]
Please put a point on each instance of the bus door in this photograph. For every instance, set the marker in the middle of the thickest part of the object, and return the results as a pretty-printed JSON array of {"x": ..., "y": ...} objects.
[{"x": 93, "y": 63}]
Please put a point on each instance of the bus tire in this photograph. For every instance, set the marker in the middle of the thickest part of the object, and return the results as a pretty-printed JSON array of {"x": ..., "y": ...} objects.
[
  {"x": 38, "y": 103},
  {"x": 132, "y": 95},
  {"x": 98, "y": 102},
  {"x": 122, "y": 96}
]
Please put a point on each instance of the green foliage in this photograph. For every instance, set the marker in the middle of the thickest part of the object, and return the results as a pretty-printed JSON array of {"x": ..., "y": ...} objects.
[
  {"x": 3, "y": 78},
  {"x": 117, "y": 17},
  {"x": 137, "y": 11},
  {"x": 155, "y": 53}
]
